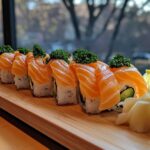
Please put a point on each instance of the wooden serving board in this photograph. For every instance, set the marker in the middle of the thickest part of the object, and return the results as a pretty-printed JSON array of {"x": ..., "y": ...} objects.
[{"x": 69, "y": 125}]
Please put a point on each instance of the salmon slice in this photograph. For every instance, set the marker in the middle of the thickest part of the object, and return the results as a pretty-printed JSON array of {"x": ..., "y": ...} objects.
[
  {"x": 30, "y": 57},
  {"x": 109, "y": 90},
  {"x": 131, "y": 77},
  {"x": 37, "y": 70},
  {"x": 63, "y": 73},
  {"x": 87, "y": 80},
  {"x": 6, "y": 61},
  {"x": 19, "y": 67}
]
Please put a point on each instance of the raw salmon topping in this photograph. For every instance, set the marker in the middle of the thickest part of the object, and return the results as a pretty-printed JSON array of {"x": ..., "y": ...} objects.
[
  {"x": 38, "y": 71},
  {"x": 131, "y": 76},
  {"x": 87, "y": 80},
  {"x": 63, "y": 73},
  {"x": 108, "y": 86},
  {"x": 19, "y": 66},
  {"x": 6, "y": 60}
]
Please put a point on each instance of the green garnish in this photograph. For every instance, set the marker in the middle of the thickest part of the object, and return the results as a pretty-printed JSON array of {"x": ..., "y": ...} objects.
[
  {"x": 84, "y": 56},
  {"x": 6, "y": 49},
  {"x": 1, "y": 50},
  {"x": 38, "y": 51},
  {"x": 24, "y": 50},
  {"x": 60, "y": 54},
  {"x": 119, "y": 61}
]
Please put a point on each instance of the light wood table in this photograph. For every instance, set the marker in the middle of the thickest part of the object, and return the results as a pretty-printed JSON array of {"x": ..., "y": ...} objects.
[{"x": 11, "y": 138}]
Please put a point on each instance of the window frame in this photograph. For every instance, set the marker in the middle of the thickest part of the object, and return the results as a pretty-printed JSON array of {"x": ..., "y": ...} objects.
[{"x": 9, "y": 22}]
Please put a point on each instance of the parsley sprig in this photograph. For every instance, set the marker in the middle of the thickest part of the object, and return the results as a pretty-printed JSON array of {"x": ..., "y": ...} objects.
[
  {"x": 6, "y": 49},
  {"x": 60, "y": 54},
  {"x": 119, "y": 61},
  {"x": 84, "y": 56},
  {"x": 24, "y": 50},
  {"x": 38, "y": 51}
]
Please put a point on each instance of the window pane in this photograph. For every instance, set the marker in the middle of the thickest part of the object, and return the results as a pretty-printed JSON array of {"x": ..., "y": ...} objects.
[
  {"x": 51, "y": 24},
  {"x": 1, "y": 25},
  {"x": 44, "y": 22}
]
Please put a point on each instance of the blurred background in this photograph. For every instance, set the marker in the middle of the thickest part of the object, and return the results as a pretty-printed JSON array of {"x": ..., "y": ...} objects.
[{"x": 106, "y": 27}]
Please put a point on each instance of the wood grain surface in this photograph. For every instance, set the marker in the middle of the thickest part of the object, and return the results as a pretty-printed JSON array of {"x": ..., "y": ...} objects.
[
  {"x": 12, "y": 138},
  {"x": 69, "y": 125}
]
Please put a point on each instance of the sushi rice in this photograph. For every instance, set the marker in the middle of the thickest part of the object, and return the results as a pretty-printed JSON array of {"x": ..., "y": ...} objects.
[
  {"x": 90, "y": 106},
  {"x": 6, "y": 76},
  {"x": 22, "y": 82},
  {"x": 40, "y": 90},
  {"x": 66, "y": 95}
]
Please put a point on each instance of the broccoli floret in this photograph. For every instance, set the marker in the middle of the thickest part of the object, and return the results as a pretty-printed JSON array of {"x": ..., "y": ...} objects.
[
  {"x": 24, "y": 50},
  {"x": 119, "y": 61},
  {"x": 60, "y": 54},
  {"x": 84, "y": 56},
  {"x": 38, "y": 51},
  {"x": 6, "y": 49}
]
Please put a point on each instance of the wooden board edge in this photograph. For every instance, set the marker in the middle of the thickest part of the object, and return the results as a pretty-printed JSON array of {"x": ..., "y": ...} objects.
[{"x": 52, "y": 131}]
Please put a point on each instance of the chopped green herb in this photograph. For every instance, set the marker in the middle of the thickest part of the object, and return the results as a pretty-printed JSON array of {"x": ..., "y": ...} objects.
[
  {"x": 6, "y": 49},
  {"x": 1, "y": 50},
  {"x": 84, "y": 56},
  {"x": 119, "y": 61},
  {"x": 60, "y": 54},
  {"x": 24, "y": 50},
  {"x": 38, "y": 51}
]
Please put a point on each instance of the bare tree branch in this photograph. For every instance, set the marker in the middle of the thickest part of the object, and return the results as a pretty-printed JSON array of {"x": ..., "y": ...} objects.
[
  {"x": 66, "y": 4},
  {"x": 107, "y": 22},
  {"x": 92, "y": 16},
  {"x": 144, "y": 4},
  {"x": 101, "y": 7},
  {"x": 69, "y": 4},
  {"x": 135, "y": 12},
  {"x": 116, "y": 30}
]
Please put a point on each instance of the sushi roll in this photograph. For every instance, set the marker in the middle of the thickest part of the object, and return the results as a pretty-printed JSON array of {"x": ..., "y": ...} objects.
[
  {"x": 130, "y": 80},
  {"x": 109, "y": 89},
  {"x": 86, "y": 75},
  {"x": 20, "y": 70},
  {"x": 64, "y": 81},
  {"x": 6, "y": 59},
  {"x": 39, "y": 73}
]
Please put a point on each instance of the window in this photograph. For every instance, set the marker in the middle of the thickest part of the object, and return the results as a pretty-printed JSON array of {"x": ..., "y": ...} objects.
[
  {"x": 55, "y": 24},
  {"x": 1, "y": 25},
  {"x": 43, "y": 21}
]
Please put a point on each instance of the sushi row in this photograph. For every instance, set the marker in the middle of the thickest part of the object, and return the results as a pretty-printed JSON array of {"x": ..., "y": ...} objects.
[{"x": 72, "y": 78}]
